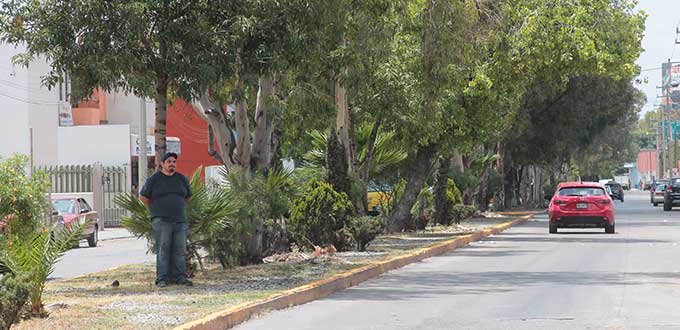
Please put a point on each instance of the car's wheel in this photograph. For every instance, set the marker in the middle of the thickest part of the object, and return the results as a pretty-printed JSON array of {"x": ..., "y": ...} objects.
[
  {"x": 656, "y": 204},
  {"x": 621, "y": 199},
  {"x": 667, "y": 206},
  {"x": 93, "y": 239},
  {"x": 553, "y": 228},
  {"x": 609, "y": 229}
]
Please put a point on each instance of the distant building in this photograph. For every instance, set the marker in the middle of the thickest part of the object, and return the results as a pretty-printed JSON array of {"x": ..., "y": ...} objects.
[{"x": 646, "y": 164}]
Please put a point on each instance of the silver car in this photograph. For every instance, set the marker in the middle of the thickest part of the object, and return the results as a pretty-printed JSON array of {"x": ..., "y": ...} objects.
[{"x": 656, "y": 193}]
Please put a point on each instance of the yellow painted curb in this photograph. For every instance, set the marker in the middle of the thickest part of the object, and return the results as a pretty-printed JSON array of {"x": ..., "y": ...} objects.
[{"x": 237, "y": 314}]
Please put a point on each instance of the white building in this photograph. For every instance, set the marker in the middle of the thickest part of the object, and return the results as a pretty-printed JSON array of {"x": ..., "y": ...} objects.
[{"x": 33, "y": 126}]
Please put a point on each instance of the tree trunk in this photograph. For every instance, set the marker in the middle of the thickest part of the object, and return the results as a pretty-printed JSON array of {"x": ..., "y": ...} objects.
[
  {"x": 160, "y": 131},
  {"x": 370, "y": 149},
  {"x": 442, "y": 205},
  {"x": 219, "y": 130},
  {"x": 416, "y": 177},
  {"x": 457, "y": 160},
  {"x": 260, "y": 156},
  {"x": 342, "y": 121},
  {"x": 242, "y": 135},
  {"x": 254, "y": 246}
]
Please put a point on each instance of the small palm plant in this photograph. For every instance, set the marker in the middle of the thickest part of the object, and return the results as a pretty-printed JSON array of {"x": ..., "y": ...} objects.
[
  {"x": 35, "y": 256},
  {"x": 210, "y": 212}
]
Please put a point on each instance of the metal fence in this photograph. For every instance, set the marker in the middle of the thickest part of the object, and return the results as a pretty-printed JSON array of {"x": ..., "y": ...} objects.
[
  {"x": 69, "y": 178},
  {"x": 114, "y": 182},
  {"x": 87, "y": 178}
]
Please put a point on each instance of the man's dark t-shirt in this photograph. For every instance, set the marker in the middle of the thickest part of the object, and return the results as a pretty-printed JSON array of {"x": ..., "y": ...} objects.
[{"x": 168, "y": 196}]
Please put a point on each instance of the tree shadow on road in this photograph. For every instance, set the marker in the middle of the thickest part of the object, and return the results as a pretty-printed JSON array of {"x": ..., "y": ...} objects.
[{"x": 412, "y": 284}]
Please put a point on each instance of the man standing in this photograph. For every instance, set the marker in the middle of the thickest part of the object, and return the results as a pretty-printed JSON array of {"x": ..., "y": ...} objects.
[{"x": 167, "y": 193}]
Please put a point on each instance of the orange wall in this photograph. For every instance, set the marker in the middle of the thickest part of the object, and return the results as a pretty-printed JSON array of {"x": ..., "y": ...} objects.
[
  {"x": 91, "y": 111},
  {"x": 646, "y": 161},
  {"x": 192, "y": 131}
]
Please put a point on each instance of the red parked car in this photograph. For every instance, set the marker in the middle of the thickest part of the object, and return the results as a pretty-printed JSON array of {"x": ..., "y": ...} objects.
[
  {"x": 74, "y": 209},
  {"x": 581, "y": 205}
]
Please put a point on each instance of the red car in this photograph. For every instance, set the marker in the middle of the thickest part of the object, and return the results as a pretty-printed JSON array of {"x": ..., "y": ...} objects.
[
  {"x": 581, "y": 205},
  {"x": 75, "y": 209}
]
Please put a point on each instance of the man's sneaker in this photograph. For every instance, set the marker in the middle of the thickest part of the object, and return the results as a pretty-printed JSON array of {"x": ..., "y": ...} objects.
[
  {"x": 161, "y": 284},
  {"x": 186, "y": 283}
]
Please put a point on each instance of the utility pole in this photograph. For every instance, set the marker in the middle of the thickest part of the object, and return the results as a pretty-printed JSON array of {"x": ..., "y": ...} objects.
[
  {"x": 661, "y": 137},
  {"x": 142, "y": 159}
]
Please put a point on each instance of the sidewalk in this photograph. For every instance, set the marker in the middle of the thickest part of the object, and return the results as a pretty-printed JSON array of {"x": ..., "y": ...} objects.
[{"x": 114, "y": 233}]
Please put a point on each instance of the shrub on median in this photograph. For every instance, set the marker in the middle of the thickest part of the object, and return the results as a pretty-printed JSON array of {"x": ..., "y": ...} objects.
[
  {"x": 320, "y": 216},
  {"x": 364, "y": 230}
]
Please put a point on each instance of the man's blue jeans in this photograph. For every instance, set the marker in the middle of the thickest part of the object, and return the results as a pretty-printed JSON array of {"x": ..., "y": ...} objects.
[{"x": 171, "y": 249}]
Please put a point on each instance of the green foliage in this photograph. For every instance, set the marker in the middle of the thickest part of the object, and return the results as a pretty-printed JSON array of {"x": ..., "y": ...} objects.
[
  {"x": 461, "y": 212},
  {"x": 464, "y": 180},
  {"x": 27, "y": 247},
  {"x": 364, "y": 230},
  {"x": 261, "y": 199},
  {"x": 319, "y": 216},
  {"x": 453, "y": 194},
  {"x": 22, "y": 196},
  {"x": 133, "y": 46},
  {"x": 645, "y": 131},
  {"x": 596, "y": 115},
  {"x": 387, "y": 154},
  {"x": 35, "y": 255},
  {"x": 14, "y": 292}
]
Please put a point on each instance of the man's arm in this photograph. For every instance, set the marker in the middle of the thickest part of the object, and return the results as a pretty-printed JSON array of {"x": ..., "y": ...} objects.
[
  {"x": 145, "y": 193},
  {"x": 190, "y": 194}
]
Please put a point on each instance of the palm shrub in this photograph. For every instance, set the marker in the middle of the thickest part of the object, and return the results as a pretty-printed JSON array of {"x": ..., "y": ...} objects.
[
  {"x": 14, "y": 291},
  {"x": 210, "y": 214},
  {"x": 264, "y": 201},
  {"x": 320, "y": 216},
  {"x": 387, "y": 153},
  {"x": 35, "y": 256},
  {"x": 364, "y": 230}
]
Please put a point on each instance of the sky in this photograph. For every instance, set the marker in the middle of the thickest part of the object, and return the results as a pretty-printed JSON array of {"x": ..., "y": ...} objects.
[{"x": 658, "y": 43}]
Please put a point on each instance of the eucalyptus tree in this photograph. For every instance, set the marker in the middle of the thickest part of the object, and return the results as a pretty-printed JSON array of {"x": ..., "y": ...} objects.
[{"x": 555, "y": 42}]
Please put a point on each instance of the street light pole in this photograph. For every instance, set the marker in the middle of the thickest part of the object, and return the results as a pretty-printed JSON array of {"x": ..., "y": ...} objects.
[{"x": 142, "y": 159}]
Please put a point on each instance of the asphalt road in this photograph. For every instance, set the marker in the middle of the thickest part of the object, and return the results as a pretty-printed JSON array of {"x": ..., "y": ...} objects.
[
  {"x": 107, "y": 254},
  {"x": 523, "y": 278}
]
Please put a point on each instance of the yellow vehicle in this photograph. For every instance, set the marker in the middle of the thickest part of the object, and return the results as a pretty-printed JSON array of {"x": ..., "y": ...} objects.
[{"x": 377, "y": 200}]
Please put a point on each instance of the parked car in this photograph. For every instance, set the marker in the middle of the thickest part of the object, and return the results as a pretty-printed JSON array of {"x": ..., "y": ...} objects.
[
  {"x": 74, "y": 209},
  {"x": 657, "y": 191},
  {"x": 52, "y": 219},
  {"x": 581, "y": 205},
  {"x": 671, "y": 194},
  {"x": 616, "y": 190}
]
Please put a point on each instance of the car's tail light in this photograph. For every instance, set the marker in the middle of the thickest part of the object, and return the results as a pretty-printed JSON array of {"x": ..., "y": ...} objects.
[
  {"x": 669, "y": 188},
  {"x": 603, "y": 201},
  {"x": 560, "y": 202}
]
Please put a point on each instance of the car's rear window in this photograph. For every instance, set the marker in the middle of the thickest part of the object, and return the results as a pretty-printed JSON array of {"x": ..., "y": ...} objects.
[
  {"x": 676, "y": 182},
  {"x": 661, "y": 186},
  {"x": 64, "y": 206},
  {"x": 581, "y": 191}
]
